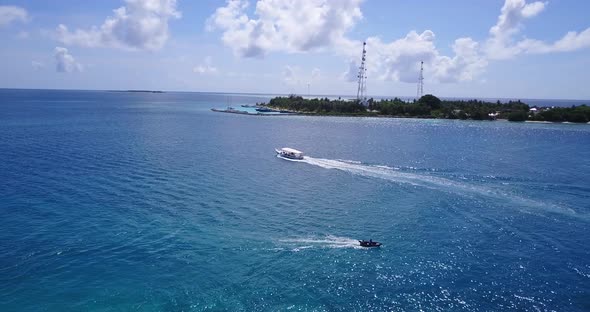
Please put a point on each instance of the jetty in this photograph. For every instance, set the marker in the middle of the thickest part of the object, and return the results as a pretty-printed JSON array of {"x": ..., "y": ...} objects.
[
  {"x": 230, "y": 110},
  {"x": 257, "y": 110}
]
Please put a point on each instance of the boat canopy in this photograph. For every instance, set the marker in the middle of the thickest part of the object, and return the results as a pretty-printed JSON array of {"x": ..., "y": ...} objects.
[{"x": 291, "y": 150}]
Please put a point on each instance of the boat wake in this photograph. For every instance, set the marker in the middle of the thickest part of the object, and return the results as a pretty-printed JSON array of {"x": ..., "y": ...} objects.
[
  {"x": 329, "y": 241},
  {"x": 397, "y": 175}
]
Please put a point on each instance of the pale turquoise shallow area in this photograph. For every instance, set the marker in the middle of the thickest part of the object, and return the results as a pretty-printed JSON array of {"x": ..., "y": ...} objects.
[{"x": 116, "y": 201}]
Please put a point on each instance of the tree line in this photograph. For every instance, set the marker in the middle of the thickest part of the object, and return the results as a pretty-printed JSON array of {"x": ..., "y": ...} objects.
[
  {"x": 321, "y": 106},
  {"x": 430, "y": 106}
]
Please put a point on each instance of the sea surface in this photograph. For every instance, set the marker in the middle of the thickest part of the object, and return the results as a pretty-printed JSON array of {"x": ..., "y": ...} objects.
[{"x": 114, "y": 201}]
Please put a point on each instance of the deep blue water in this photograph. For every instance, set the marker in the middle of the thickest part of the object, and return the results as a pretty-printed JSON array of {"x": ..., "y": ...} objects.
[{"x": 135, "y": 201}]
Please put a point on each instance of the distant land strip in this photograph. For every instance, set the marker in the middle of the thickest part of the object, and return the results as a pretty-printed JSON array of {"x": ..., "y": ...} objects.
[{"x": 430, "y": 106}]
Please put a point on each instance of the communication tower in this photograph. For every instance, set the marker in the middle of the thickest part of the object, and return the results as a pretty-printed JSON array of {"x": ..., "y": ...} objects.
[
  {"x": 361, "y": 93},
  {"x": 420, "y": 92}
]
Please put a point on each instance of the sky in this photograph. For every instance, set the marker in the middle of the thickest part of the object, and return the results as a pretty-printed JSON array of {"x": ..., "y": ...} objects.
[{"x": 484, "y": 49}]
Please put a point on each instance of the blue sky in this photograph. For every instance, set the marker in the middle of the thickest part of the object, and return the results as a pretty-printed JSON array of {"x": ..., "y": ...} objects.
[{"x": 492, "y": 48}]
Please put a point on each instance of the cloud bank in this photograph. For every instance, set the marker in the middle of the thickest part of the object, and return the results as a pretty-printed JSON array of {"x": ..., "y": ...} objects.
[
  {"x": 300, "y": 26},
  {"x": 284, "y": 25},
  {"x": 139, "y": 25},
  {"x": 501, "y": 44}
]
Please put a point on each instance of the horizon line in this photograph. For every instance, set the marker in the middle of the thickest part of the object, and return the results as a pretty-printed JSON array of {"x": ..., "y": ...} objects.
[{"x": 287, "y": 94}]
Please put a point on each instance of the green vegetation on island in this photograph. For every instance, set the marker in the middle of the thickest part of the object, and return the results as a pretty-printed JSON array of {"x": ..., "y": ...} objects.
[
  {"x": 579, "y": 114},
  {"x": 430, "y": 106},
  {"x": 323, "y": 106}
]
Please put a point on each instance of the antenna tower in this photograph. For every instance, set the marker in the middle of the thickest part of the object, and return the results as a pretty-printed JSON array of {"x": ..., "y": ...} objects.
[
  {"x": 361, "y": 95},
  {"x": 420, "y": 92}
]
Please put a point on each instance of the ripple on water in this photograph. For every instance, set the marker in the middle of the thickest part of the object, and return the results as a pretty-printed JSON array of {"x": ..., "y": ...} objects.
[{"x": 152, "y": 202}]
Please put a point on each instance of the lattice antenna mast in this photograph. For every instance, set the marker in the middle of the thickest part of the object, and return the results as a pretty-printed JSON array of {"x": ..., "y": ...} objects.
[
  {"x": 420, "y": 92},
  {"x": 361, "y": 95}
]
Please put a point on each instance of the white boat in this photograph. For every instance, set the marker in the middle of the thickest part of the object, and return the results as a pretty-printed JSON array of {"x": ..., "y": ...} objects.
[{"x": 289, "y": 153}]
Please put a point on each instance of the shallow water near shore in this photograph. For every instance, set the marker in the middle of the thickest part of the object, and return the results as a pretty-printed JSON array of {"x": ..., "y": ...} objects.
[{"x": 116, "y": 201}]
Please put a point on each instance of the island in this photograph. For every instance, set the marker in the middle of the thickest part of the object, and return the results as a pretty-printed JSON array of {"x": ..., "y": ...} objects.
[{"x": 430, "y": 106}]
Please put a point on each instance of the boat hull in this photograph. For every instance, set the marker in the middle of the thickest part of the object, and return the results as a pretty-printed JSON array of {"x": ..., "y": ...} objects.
[{"x": 369, "y": 244}]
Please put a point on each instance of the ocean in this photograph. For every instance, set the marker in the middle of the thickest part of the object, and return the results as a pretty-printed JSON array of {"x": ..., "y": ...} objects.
[{"x": 116, "y": 201}]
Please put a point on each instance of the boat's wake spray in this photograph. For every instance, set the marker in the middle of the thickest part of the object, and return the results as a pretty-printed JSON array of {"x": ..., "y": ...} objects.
[
  {"x": 396, "y": 175},
  {"x": 328, "y": 241}
]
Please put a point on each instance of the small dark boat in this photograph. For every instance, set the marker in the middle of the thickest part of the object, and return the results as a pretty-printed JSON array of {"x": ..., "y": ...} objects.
[{"x": 369, "y": 243}]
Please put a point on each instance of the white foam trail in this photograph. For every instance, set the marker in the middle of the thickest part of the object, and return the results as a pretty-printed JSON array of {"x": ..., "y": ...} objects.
[
  {"x": 428, "y": 181},
  {"x": 329, "y": 241},
  {"x": 349, "y": 161},
  {"x": 388, "y": 173}
]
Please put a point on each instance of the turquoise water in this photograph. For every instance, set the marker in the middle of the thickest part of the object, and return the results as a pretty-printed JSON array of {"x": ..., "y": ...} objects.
[{"x": 151, "y": 202}]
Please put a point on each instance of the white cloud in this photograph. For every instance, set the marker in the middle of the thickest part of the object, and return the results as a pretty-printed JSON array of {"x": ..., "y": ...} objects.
[
  {"x": 206, "y": 67},
  {"x": 10, "y": 13},
  {"x": 400, "y": 59},
  {"x": 466, "y": 65},
  {"x": 139, "y": 25},
  {"x": 500, "y": 45},
  {"x": 512, "y": 14},
  {"x": 65, "y": 62},
  {"x": 299, "y": 26},
  {"x": 285, "y": 25},
  {"x": 569, "y": 42}
]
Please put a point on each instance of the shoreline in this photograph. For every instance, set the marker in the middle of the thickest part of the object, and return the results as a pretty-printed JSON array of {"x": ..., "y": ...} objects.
[
  {"x": 431, "y": 107},
  {"x": 238, "y": 112}
]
